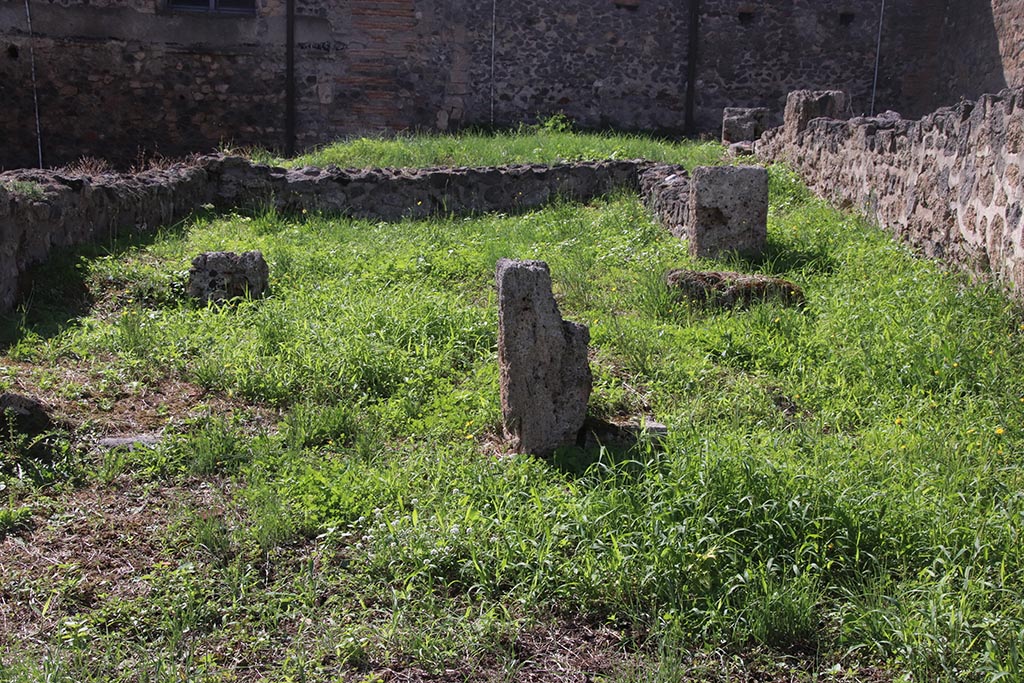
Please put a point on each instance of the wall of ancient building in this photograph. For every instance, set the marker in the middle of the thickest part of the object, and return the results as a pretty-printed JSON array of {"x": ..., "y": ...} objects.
[
  {"x": 44, "y": 210},
  {"x": 120, "y": 77},
  {"x": 949, "y": 184}
]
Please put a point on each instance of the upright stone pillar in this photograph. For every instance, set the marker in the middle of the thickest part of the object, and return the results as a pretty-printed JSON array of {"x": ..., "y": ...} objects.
[
  {"x": 545, "y": 376},
  {"x": 804, "y": 105},
  {"x": 728, "y": 211}
]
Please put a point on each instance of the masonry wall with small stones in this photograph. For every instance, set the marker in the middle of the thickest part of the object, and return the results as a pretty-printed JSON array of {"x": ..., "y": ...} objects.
[
  {"x": 61, "y": 209},
  {"x": 950, "y": 184},
  {"x": 120, "y": 77}
]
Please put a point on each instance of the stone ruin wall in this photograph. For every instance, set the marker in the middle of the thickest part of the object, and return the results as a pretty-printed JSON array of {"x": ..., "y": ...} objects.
[
  {"x": 64, "y": 210},
  {"x": 119, "y": 76},
  {"x": 950, "y": 184},
  {"x": 935, "y": 52}
]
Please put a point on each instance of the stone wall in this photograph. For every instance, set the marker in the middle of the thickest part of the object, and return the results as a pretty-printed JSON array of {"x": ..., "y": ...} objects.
[
  {"x": 120, "y": 77},
  {"x": 62, "y": 211},
  {"x": 41, "y": 210},
  {"x": 936, "y": 51},
  {"x": 950, "y": 184}
]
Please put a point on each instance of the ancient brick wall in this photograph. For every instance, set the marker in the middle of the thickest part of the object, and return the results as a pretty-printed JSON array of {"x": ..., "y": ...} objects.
[
  {"x": 122, "y": 76},
  {"x": 949, "y": 184},
  {"x": 119, "y": 76}
]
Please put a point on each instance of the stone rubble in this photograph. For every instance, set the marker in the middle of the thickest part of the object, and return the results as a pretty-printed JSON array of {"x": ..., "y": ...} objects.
[
  {"x": 726, "y": 289},
  {"x": 743, "y": 124}
]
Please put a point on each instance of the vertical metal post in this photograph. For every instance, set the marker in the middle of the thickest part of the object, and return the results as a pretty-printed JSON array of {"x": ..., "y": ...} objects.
[
  {"x": 878, "y": 55},
  {"x": 289, "y": 78},
  {"x": 35, "y": 89},
  {"x": 692, "y": 54}
]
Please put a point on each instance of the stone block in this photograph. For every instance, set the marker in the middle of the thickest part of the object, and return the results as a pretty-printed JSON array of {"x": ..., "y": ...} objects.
[
  {"x": 545, "y": 375},
  {"x": 743, "y": 124},
  {"x": 727, "y": 289},
  {"x": 24, "y": 414},
  {"x": 804, "y": 105},
  {"x": 728, "y": 211},
  {"x": 665, "y": 189},
  {"x": 222, "y": 275}
]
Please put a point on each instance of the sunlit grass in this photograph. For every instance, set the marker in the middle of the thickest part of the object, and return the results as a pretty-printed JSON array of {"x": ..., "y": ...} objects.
[{"x": 536, "y": 145}]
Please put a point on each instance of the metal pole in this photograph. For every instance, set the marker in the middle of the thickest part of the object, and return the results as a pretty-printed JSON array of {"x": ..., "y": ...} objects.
[
  {"x": 878, "y": 54},
  {"x": 289, "y": 77},
  {"x": 35, "y": 91}
]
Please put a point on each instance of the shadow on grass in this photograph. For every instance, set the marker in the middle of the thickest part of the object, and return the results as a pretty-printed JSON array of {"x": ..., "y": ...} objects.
[
  {"x": 54, "y": 294},
  {"x": 779, "y": 259},
  {"x": 616, "y": 446}
]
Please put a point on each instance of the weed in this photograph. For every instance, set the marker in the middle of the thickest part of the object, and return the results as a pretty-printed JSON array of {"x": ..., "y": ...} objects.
[
  {"x": 14, "y": 519},
  {"x": 25, "y": 189}
]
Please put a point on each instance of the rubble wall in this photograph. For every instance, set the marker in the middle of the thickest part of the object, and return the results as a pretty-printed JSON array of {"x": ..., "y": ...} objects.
[
  {"x": 949, "y": 184},
  {"x": 41, "y": 211}
]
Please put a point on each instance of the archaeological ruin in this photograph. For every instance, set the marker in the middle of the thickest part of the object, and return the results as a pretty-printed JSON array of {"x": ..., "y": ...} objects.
[
  {"x": 119, "y": 78},
  {"x": 122, "y": 79}
]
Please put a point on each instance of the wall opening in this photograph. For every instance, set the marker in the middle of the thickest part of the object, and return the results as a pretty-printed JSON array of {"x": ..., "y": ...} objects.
[
  {"x": 12, "y": 52},
  {"x": 746, "y": 18},
  {"x": 846, "y": 18}
]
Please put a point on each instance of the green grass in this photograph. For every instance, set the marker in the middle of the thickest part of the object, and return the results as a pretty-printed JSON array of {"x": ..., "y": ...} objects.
[
  {"x": 539, "y": 144},
  {"x": 840, "y": 490}
]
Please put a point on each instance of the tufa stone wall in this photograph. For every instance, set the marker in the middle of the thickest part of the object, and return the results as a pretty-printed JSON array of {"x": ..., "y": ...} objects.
[
  {"x": 950, "y": 184},
  {"x": 120, "y": 77}
]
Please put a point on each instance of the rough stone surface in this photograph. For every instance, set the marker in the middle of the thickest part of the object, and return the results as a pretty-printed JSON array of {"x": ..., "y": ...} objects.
[
  {"x": 727, "y": 289},
  {"x": 728, "y": 211},
  {"x": 27, "y": 415},
  {"x": 115, "y": 76},
  {"x": 391, "y": 194},
  {"x": 666, "y": 191},
  {"x": 803, "y": 106},
  {"x": 545, "y": 376},
  {"x": 63, "y": 210},
  {"x": 740, "y": 149},
  {"x": 949, "y": 184},
  {"x": 743, "y": 124},
  {"x": 222, "y": 275},
  {"x": 129, "y": 441}
]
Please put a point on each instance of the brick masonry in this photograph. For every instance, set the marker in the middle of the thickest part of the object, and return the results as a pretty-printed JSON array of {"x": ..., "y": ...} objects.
[{"x": 118, "y": 78}]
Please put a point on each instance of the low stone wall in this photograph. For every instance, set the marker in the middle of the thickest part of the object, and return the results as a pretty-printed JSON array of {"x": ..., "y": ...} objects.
[
  {"x": 393, "y": 194},
  {"x": 666, "y": 191},
  {"x": 949, "y": 184},
  {"x": 41, "y": 211}
]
